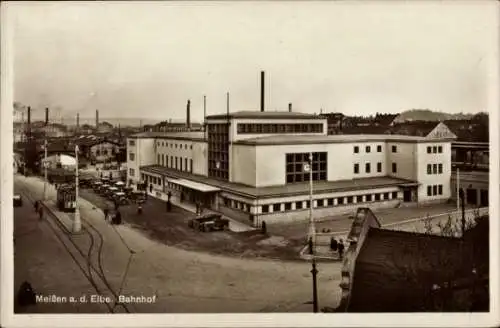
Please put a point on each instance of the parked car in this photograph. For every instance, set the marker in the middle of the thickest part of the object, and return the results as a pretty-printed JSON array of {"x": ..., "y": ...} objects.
[
  {"x": 18, "y": 201},
  {"x": 138, "y": 196},
  {"x": 209, "y": 222},
  {"x": 121, "y": 198}
]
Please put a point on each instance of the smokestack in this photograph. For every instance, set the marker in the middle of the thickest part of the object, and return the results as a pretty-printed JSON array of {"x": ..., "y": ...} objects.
[
  {"x": 204, "y": 107},
  {"x": 77, "y": 121},
  {"x": 227, "y": 105},
  {"x": 188, "y": 114},
  {"x": 96, "y": 118},
  {"x": 290, "y": 107},
  {"x": 262, "y": 91},
  {"x": 46, "y": 116},
  {"x": 29, "y": 116}
]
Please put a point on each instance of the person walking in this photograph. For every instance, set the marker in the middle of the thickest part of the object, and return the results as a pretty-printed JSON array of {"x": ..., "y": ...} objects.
[
  {"x": 341, "y": 249},
  {"x": 40, "y": 213},
  {"x": 333, "y": 244},
  {"x": 106, "y": 214}
]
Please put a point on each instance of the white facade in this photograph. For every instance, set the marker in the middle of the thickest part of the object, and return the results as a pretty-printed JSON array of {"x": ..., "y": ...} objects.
[{"x": 140, "y": 152}]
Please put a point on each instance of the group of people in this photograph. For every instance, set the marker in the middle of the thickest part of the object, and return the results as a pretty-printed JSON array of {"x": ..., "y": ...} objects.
[
  {"x": 337, "y": 246},
  {"x": 113, "y": 219}
]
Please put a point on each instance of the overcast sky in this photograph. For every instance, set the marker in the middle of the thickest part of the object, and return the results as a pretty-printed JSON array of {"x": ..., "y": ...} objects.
[{"x": 146, "y": 59}]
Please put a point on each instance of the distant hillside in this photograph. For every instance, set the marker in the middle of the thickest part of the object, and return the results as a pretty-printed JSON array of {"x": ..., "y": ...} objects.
[{"x": 429, "y": 115}]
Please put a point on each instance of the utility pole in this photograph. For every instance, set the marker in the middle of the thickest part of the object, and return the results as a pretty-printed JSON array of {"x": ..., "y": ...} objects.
[
  {"x": 461, "y": 194},
  {"x": 458, "y": 189},
  {"x": 312, "y": 234},
  {"x": 45, "y": 155},
  {"x": 77, "y": 225}
]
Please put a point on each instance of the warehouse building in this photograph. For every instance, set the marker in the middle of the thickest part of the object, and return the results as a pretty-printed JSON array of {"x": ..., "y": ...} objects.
[{"x": 251, "y": 166}]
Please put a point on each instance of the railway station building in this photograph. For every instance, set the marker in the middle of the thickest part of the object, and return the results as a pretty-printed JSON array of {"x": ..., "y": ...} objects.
[{"x": 252, "y": 166}]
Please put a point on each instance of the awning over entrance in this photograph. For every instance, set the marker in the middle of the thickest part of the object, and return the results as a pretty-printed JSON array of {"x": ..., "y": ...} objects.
[
  {"x": 409, "y": 184},
  {"x": 194, "y": 185}
]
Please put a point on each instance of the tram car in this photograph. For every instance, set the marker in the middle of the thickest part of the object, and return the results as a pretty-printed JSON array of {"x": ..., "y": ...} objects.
[
  {"x": 66, "y": 198},
  {"x": 60, "y": 176}
]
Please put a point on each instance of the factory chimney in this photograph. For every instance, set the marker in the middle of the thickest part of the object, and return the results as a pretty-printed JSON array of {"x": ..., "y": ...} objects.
[
  {"x": 188, "y": 114},
  {"x": 46, "y": 116},
  {"x": 77, "y": 121},
  {"x": 29, "y": 118},
  {"x": 290, "y": 107},
  {"x": 96, "y": 118},
  {"x": 262, "y": 85}
]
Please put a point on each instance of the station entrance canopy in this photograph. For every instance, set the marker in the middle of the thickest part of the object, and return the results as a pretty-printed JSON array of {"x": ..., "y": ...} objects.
[{"x": 194, "y": 185}]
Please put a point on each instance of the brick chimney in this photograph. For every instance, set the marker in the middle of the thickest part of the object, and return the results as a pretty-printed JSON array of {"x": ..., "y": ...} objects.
[
  {"x": 290, "y": 107},
  {"x": 96, "y": 118},
  {"x": 262, "y": 88},
  {"x": 188, "y": 114}
]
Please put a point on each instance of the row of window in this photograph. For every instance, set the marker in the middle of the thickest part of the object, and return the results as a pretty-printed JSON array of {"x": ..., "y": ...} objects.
[
  {"x": 379, "y": 168},
  {"x": 435, "y": 168},
  {"x": 434, "y": 149},
  {"x": 151, "y": 179},
  {"x": 326, "y": 202},
  {"x": 329, "y": 202},
  {"x": 434, "y": 190},
  {"x": 172, "y": 145},
  {"x": 177, "y": 163},
  {"x": 368, "y": 149},
  {"x": 249, "y": 128}
]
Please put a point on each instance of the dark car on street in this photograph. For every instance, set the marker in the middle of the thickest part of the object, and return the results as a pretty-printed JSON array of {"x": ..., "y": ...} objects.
[
  {"x": 18, "y": 201},
  {"x": 209, "y": 222}
]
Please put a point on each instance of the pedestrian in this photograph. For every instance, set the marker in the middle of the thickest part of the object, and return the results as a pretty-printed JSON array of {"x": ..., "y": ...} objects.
[
  {"x": 117, "y": 219},
  {"x": 106, "y": 213},
  {"x": 333, "y": 244},
  {"x": 40, "y": 213},
  {"x": 26, "y": 295},
  {"x": 169, "y": 206},
  {"x": 341, "y": 248},
  {"x": 36, "y": 206},
  {"x": 169, "y": 195}
]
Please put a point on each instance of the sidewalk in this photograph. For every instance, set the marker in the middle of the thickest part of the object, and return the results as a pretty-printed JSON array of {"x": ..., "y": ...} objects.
[{"x": 234, "y": 225}]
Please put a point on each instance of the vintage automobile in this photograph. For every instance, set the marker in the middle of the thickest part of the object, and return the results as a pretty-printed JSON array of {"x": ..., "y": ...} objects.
[
  {"x": 120, "y": 197},
  {"x": 18, "y": 201},
  {"x": 137, "y": 196},
  {"x": 209, "y": 222}
]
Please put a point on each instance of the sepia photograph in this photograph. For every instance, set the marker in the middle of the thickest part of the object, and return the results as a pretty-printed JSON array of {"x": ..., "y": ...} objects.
[{"x": 262, "y": 158}]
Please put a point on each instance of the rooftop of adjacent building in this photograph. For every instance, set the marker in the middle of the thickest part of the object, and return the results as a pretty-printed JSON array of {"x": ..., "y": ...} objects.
[
  {"x": 284, "y": 139},
  {"x": 264, "y": 115}
]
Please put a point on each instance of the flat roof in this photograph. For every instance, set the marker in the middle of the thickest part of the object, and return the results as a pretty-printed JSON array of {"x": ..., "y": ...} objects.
[
  {"x": 195, "y": 185},
  {"x": 181, "y": 135},
  {"x": 265, "y": 115},
  {"x": 291, "y": 139},
  {"x": 282, "y": 190}
]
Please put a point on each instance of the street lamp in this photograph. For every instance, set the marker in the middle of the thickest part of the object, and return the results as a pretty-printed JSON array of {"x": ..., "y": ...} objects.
[
  {"x": 312, "y": 233},
  {"x": 77, "y": 225},
  {"x": 45, "y": 164}
]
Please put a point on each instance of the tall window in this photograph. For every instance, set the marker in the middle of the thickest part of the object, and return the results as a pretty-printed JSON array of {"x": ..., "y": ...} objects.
[
  {"x": 367, "y": 149},
  {"x": 394, "y": 149},
  {"x": 162, "y": 159},
  {"x": 434, "y": 169},
  {"x": 265, "y": 208},
  {"x": 440, "y": 189},
  {"x": 356, "y": 149},
  {"x": 186, "y": 164},
  {"x": 434, "y": 190},
  {"x": 394, "y": 168},
  {"x": 356, "y": 168},
  {"x": 131, "y": 156},
  {"x": 166, "y": 160},
  {"x": 191, "y": 165},
  {"x": 429, "y": 149},
  {"x": 367, "y": 168},
  {"x": 131, "y": 172},
  {"x": 295, "y": 170},
  {"x": 218, "y": 150},
  {"x": 379, "y": 167},
  {"x": 440, "y": 149},
  {"x": 434, "y": 149},
  {"x": 159, "y": 159},
  {"x": 429, "y": 168},
  {"x": 379, "y": 149},
  {"x": 429, "y": 190},
  {"x": 440, "y": 168},
  {"x": 180, "y": 163}
]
